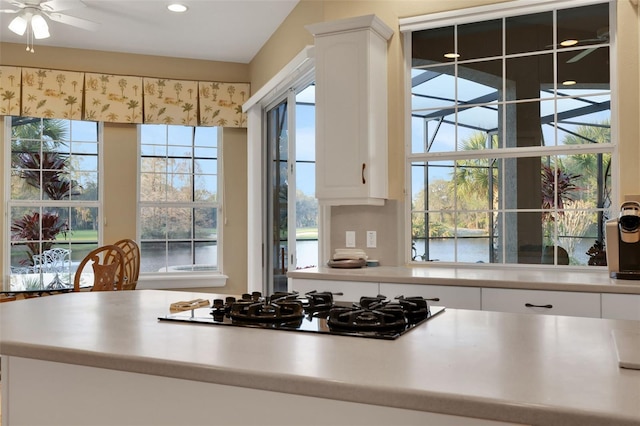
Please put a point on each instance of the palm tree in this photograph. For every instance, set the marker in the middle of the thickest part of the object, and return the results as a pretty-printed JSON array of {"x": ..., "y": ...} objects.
[
  {"x": 476, "y": 177},
  {"x": 595, "y": 169},
  {"x": 27, "y": 134}
]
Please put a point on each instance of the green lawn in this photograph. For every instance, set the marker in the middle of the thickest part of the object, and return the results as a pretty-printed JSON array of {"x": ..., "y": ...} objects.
[{"x": 80, "y": 235}]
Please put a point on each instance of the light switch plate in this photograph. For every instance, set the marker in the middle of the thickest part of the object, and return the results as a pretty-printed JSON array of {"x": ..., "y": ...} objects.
[
  {"x": 371, "y": 239},
  {"x": 351, "y": 239}
]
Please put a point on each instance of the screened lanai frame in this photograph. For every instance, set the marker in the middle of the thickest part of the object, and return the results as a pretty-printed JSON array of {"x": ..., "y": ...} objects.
[{"x": 563, "y": 109}]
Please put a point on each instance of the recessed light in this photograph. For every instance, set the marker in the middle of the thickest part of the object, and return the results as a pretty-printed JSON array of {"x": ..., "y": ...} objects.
[
  {"x": 177, "y": 7},
  {"x": 569, "y": 42},
  {"x": 568, "y": 82},
  {"x": 451, "y": 55}
]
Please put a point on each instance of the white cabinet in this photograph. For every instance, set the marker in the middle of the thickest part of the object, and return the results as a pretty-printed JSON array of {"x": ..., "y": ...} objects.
[
  {"x": 351, "y": 110},
  {"x": 621, "y": 306},
  {"x": 441, "y": 295},
  {"x": 352, "y": 290},
  {"x": 541, "y": 302}
]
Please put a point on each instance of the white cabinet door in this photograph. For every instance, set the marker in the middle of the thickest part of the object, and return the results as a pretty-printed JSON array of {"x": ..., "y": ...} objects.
[
  {"x": 441, "y": 295},
  {"x": 541, "y": 302},
  {"x": 352, "y": 290},
  {"x": 351, "y": 110},
  {"x": 621, "y": 306}
]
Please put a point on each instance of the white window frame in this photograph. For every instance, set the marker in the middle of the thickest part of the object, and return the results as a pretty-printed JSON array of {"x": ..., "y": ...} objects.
[
  {"x": 187, "y": 279},
  {"x": 478, "y": 14},
  {"x": 98, "y": 204}
]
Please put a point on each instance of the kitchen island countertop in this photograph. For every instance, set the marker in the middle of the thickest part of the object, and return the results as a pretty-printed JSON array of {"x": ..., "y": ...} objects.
[{"x": 529, "y": 369}]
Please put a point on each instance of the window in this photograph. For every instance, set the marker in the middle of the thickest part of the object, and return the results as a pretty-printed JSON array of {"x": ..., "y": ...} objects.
[
  {"x": 178, "y": 198},
  {"x": 54, "y": 200},
  {"x": 510, "y": 156}
]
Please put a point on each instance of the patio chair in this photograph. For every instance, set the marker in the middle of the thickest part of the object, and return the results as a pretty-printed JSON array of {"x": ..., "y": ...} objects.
[
  {"x": 108, "y": 272},
  {"x": 54, "y": 261}
]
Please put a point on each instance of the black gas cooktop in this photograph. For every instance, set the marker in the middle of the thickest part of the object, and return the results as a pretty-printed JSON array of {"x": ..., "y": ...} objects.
[{"x": 315, "y": 312}]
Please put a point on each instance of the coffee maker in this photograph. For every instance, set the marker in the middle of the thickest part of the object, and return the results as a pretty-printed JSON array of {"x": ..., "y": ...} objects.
[{"x": 623, "y": 242}]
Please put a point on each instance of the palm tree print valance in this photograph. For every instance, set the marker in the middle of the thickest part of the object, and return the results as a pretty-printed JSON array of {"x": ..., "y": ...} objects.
[
  {"x": 120, "y": 99},
  {"x": 52, "y": 94},
  {"x": 10, "y": 90},
  {"x": 170, "y": 101},
  {"x": 221, "y": 104},
  {"x": 113, "y": 98}
]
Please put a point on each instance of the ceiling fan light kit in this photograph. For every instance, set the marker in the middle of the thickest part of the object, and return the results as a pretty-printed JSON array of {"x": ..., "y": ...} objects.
[
  {"x": 34, "y": 19},
  {"x": 32, "y": 13},
  {"x": 18, "y": 25},
  {"x": 39, "y": 27}
]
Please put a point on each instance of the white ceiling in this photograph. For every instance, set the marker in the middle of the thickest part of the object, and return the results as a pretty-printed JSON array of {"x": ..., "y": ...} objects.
[{"x": 220, "y": 30}]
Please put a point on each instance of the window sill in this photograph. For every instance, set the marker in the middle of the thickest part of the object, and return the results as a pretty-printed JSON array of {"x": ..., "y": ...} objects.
[{"x": 180, "y": 280}]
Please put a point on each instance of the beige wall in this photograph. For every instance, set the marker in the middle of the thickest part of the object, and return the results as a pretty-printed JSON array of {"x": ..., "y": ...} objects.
[
  {"x": 291, "y": 39},
  {"x": 235, "y": 207},
  {"x": 120, "y": 143}
]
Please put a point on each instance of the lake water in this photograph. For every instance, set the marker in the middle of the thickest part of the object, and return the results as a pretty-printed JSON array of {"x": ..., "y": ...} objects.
[
  {"x": 153, "y": 260},
  {"x": 469, "y": 251}
]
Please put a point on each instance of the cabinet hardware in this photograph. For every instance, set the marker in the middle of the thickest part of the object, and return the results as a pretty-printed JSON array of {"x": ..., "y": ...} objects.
[
  {"x": 364, "y": 165},
  {"x": 529, "y": 305}
]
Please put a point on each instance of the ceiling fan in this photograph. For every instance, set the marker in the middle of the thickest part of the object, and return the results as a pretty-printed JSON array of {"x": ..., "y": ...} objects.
[
  {"x": 31, "y": 16},
  {"x": 602, "y": 36}
]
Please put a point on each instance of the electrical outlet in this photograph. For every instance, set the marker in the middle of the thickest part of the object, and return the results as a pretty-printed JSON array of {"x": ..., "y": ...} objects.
[
  {"x": 371, "y": 239},
  {"x": 351, "y": 239}
]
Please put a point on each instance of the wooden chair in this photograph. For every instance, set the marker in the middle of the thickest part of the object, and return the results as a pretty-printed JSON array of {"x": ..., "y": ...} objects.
[
  {"x": 131, "y": 262},
  {"x": 7, "y": 298},
  {"x": 108, "y": 271}
]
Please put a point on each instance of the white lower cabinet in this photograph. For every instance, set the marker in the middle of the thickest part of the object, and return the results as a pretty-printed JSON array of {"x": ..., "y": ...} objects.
[
  {"x": 352, "y": 290},
  {"x": 571, "y": 303},
  {"x": 621, "y": 306},
  {"x": 541, "y": 302},
  {"x": 447, "y": 296}
]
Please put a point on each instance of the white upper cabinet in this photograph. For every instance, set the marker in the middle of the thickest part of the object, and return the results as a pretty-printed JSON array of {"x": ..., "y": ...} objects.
[{"x": 351, "y": 111}]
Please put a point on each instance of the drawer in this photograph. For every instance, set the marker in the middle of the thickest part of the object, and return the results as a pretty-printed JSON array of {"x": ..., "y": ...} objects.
[
  {"x": 448, "y": 296},
  {"x": 621, "y": 306},
  {"x": 541, "y": 302}
]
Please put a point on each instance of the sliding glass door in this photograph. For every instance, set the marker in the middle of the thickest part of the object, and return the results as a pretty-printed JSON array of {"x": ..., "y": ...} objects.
[{"x": 291, "y": 237}]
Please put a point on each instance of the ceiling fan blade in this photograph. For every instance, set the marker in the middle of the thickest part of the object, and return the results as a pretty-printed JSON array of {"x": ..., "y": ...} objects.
[
  {"x": 15, "y": 3},
  {"x": 59, "y": 5},
  {"x": 581, "y": 55},
  {"x": 73, "y": 21}
]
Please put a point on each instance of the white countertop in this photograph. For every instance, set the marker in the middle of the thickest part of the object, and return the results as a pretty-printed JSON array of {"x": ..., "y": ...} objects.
[
  {"x": 519, "y": 368},
  {"x": 597, "y": 281}
]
